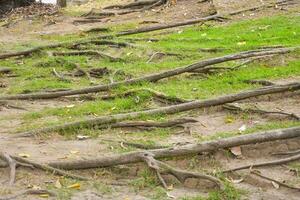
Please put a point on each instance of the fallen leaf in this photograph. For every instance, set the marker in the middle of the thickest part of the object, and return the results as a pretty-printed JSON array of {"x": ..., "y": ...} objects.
[
  {"x": 24, "y": 155},
  {"x": 228, "y": 120},
  {"x": 58, "y": 184},
  {"x": 237, "y": 151},
  {"x": 242, "y": 128},
  {"x": 75, "y": 186},
  {"x": 44, "y": 195},
  {"x": 82, "y": 137},
  {"x": 74, "y": 152},
  {"x": 241, "y": 43},
  {"x": 237, "y": 180},
  {"x": 276, "y": 185},
  {"x": 170, "y": 196},
  {"x": 70, "y": 106}
]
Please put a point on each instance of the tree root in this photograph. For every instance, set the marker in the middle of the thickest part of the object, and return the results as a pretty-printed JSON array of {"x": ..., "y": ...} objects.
[
  {"x": 14, "y": 160},
  {"x": 60, "y": 76},
  {"x": 263, "y": 164},
  {"x": 184, "y": 150},
  {"x": 260, "y": 82},
  {"x": 90, "y": 53},
  {"x": 181, "y": 175},
  {"x": 136, "y": 145},
  {"x": 287, "y": 153},
  {"x": 12, "y": 165},
  {"x": 28, "y": 192},
  {"x": 236, "y": 108},
  {"x": 152, "y": 77},
  {"x": 98, "y": 121},
  {"x": 158, "y": 95},
  {"x": 149, "y": 124},
  {"x": 273, "y": 180}
]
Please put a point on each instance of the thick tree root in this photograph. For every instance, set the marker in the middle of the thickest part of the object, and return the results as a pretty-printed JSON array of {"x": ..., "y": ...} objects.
[
  {"x": 184, "y": 150},
  {"x": 263, "y": 164},
  {"x": 181, "y": 175},
  {"x": 151, "y": 77},
  {"x": 98, "y": 121},
  {"x": 260, "y": 82}
]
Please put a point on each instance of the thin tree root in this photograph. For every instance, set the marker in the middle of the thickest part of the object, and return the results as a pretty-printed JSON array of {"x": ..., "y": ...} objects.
[
  {"x": 263, "y": 164},
  {"x": 236, "y": 108},
  {"x": 28, "y": 192}
]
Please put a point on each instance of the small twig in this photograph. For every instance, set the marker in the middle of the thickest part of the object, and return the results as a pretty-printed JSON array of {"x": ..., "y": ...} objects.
[
  {"x": 12, "y": 166},
  {"x": 270, "y": 179},
  {"x": 233, "y": 107},
  {"x": 162, "y": 168},
  {"x": 270, "y": 163},
  {"x": 28, "y": 192}
]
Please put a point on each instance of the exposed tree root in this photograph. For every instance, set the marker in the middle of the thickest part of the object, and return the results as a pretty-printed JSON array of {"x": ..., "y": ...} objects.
[
  {"x": 160, "y": 54},
  {"x": 149, "y": 124},
  {"x": 260, "y": 82},
  {"x": 263, "y": 164},
  {"x": 273, "y": 180},
  {"x": 136, "y": 4},
  {"x": 98, "y": 121},
  {"x": 184, "y": 150},
  {"x": 136, "y": 145},
  {"x": 13, "y": 160},
  {"x": 287, "y": 153},
  {"x": 12, "y": 165},
  {"x": 4, "y": 70},
  {"x": 236, "y": 108},
  {"x": 158, "y": 95},
  {"x": 181, "y": 175},
  {"x": 152, "y": 77},
  {"x": 167, "y": 26},
  {"x": 89, "y": 52},
  {"x": 28, "y": 192},
  {"x": 59, "y": 76}
]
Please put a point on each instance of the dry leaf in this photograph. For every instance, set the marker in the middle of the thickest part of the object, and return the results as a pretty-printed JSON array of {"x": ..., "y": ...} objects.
[
  {"x": 75, "y": 186},
  {"x": 237, "y": 180},
  {"x": 24, "y": 155},
  {"x": 170, "y": 196},
  {"x": 241, "y": 43},
  {"x": 70, "y": 106},
  {"x": 58, "y": 184},
  {"x": 242, "y": 128},
  {"x": 237, "y": 151},
  {"x": 276, "y": 185},
  {"x": 74, "y": 152},
  {"x": 44, "y": 195},
  {"x": 82, "y": 137}
]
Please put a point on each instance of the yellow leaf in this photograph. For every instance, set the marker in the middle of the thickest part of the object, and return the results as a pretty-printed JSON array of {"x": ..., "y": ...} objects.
[
  {"x": 74, "y": 152},
  {"x": 57, "y": 184},
  {"x": 24, "y": 155},
  {"x": 241, "y": 43},
  {"x": 228, "y": 120},
  {"x": 75, "y": 186},
  {"x": 44, "y": 195}
]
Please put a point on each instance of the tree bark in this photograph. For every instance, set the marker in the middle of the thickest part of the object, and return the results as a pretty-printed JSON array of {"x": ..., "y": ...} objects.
[{"x": 190, "y": 149}]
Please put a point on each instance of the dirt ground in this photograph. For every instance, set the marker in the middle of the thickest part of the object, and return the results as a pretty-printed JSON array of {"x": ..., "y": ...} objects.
[{"x": 210, "y": 121}]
